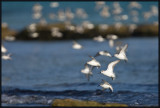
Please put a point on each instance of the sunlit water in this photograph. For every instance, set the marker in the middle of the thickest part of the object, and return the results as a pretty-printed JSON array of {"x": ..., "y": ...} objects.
[{"x": 42, "y": 71}]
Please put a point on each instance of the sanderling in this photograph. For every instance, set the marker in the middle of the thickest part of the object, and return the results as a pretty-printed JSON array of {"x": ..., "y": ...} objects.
[
  {"x": 6, "y": 57},
  {"x": 109, "y": 72},
  {"x": 106, "y": 85},
  {"x": 104, "y": 53},
  {"x": 111, "y": 38},
  {"x": 94, "y": 62},
  {"x": 99, "y": 38},
  {"x": 87, "y": 71},
  {"x": 122, "y": 54},
  {"x": 76, "y": 45},
  {"x": 3, "y": 49}
]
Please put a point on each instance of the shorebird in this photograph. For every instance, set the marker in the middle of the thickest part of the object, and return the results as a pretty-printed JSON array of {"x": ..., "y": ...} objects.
[
  {"x": 9, "y": 38},
  {"x": 104, "y": 53},
  {"x": 54, "y": 4},
  {"x": 94, "y": 62},
  {"x": 109, "y": 72},
  {"x": 34, "y": 35},
  {"x": 111, "y": 38},
  {"x": 3, "y": 49},
  {"x": 80, "y": 13},
  {"x": 122, "y": 55},
  {"x": 6, "y": 57},
  {"x": 76, "y": 45},
  {"x": 99, "y": 38},
  {"x": 106, "y": 85},
  {"x": 87, "y": 71}
]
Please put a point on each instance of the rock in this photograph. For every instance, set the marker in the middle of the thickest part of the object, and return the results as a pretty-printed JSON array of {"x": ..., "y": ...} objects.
[{"x": 80, "y": 103}]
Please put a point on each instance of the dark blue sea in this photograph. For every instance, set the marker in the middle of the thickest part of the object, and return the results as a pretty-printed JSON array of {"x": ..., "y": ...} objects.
[
  {"x": 19, "y": 14},
  {"x": 40, "y": 72}
]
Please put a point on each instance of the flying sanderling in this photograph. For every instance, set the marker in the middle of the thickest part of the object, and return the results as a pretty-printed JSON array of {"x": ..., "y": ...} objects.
[
  {"x": 109, "y": 72},
  {"x": 122, "y": 55},
  {"x": 76, "y": 45},
  {"x": 104, "y": 53},
  {"x": 94, "y": 62},
  {"x": 6, "y": 57},
  {"x": 87, "y": 71},
  {"x": 3, "y": 49},
  {"x": 106, "y": 85}
]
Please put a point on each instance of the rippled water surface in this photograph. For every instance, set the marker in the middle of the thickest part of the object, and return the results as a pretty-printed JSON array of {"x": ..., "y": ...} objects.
[{"x": 42, "y": 71}]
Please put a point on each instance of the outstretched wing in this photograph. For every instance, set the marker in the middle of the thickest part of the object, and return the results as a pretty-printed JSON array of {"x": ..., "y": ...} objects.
[
  {"x": 97, "y": 54},
  {"x": 112, "y": 64},
  {"x": 91, "y": 57},
  {"x": 124, "y": 48}
]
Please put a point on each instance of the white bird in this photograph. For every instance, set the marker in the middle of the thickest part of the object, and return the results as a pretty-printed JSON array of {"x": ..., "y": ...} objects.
[
  {"x": 111, "y": 43},
  {"x": 3, "y": 49},
  {"x": 109, "y": 72},
  {"x": 111, "y": 38},
  {"x": 122, "y": 54},
  {"x": 54, "y": 4},
  {"x": 94, "y": 62},
  {"x": 104, "y": 53},
  {"x": 99, "y": 38},
  {"x": 76, "y": 45},
  {"x": 9, "y": 38},
  {"x": 34, "y": 35},
  {"x": 6, "y": 57},
  {"x": 106, "y": 85},
  {"x": 87, "y": 71}
]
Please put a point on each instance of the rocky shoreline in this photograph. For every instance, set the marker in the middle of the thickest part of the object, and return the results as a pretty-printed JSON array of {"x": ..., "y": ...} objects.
[{"x": 46, "y": 32}]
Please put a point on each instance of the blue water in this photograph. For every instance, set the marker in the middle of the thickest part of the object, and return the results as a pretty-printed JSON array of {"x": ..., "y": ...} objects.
[
  {"x": 19, "y": 14},
  {"x": 42, "y": 71}
]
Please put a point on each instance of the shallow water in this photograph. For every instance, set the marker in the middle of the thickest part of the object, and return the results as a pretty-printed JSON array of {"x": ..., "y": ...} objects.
[{"x": 42, "y": 71}]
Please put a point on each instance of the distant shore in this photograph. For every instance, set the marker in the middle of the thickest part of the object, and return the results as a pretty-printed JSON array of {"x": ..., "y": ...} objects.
[{"x": 44, "y": 32}]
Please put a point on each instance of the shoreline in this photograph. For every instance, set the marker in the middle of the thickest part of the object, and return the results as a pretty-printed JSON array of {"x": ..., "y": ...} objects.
[{"x": 70, "y": 31}]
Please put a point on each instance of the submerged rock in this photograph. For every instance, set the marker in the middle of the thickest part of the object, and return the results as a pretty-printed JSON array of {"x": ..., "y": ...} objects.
[{"x": 79, "y": 103}]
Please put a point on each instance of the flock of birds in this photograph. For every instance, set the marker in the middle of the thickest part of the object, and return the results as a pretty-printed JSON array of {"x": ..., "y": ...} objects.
[
  {"x": 90, "y": 65},
  {"x": 104, "y": 10},
  {"x": 81, "y": 13}
]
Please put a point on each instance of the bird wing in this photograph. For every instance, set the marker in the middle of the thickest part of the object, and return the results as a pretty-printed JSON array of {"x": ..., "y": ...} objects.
[
  {"x": 97, "y": 54},
  {"x": 105, "y": 82},
  {"x": 124, "y": 48},
  {"x": 91, "y": 68},
  {"x": 86, "y": 65},
  {"x": 91, "y": 57},
  {"x": 111, "y": 88},
  {"x": 112, "y": 64}
]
